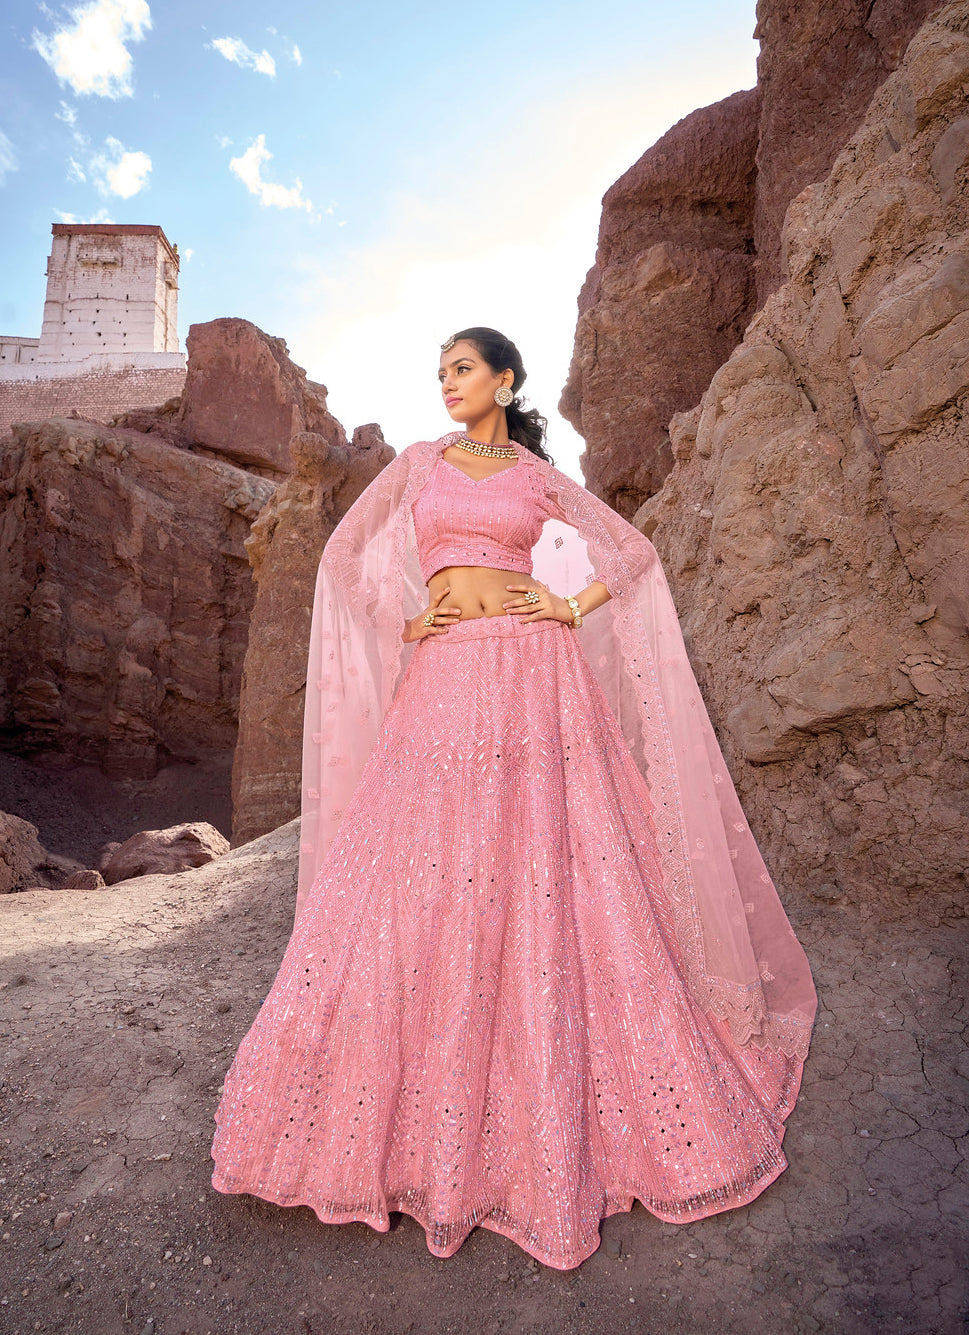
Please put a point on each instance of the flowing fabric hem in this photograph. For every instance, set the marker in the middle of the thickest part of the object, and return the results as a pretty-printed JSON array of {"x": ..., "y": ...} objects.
[{"x": 618, "y": 1203}]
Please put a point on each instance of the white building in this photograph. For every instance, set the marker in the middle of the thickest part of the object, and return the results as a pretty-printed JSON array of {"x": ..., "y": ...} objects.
[
  {"x": 17, "y": 351},
  {"x": 112, "y": 304}
]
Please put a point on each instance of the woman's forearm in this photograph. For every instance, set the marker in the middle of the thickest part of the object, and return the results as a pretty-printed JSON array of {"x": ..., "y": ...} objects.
[{"x": 592, "y": 596}]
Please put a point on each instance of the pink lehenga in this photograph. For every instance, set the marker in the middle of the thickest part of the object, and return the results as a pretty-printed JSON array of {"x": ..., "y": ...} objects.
[{"x": 538, "y": 967}]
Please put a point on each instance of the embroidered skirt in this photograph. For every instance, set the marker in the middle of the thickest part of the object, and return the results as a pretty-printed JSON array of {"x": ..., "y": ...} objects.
[{"x": 481, "y": 1017}]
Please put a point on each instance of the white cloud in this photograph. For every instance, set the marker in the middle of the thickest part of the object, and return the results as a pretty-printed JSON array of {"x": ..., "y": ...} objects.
[
  {"x": 75, "y": 172},
  {"x": 235, "y": 49},
  {"x": 223, "y": 140},
  {"x": 187, "y": 254},
  {"x": 249, "y": 167},
  {"x": 296, "y": 54},
  {"x": 8, "y": 158},
  {"x": 118, "y": 171},
  {"x": 90, "y": 53},
  {"x": 102, "y": 216},
  {"x": 68, "y": 115}
]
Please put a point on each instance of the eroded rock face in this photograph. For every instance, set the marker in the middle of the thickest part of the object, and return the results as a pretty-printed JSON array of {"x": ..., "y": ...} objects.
[
  {"x": 819, "y": 66},
  {"x": 328, "y": 474},
  {"x": 125, "y": 579},
  {"x": 669, "y": 296},
  {"x": 124, "y": 595},
  {"x": 815, "y": 526},
  {"x": 244, "y": 398},
  {"x": 690, "y": 240}
]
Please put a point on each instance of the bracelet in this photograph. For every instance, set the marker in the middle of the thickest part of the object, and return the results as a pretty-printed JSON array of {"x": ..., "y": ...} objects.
[{"x": 576, "y": 612}]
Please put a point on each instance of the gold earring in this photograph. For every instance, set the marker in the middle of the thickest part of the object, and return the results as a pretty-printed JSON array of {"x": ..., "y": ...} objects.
[{"x": 503, "y": 396}]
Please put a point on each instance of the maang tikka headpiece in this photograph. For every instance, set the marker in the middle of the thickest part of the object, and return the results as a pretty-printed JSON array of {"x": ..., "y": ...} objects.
[{"x": 449, "y": 344}]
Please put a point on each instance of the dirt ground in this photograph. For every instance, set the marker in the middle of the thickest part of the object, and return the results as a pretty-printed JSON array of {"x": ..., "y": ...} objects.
[{"x": 121, "y": 1009}]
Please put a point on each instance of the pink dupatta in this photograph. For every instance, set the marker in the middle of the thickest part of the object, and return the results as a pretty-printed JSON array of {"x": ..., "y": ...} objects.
[{"x": 744, "y": 963}]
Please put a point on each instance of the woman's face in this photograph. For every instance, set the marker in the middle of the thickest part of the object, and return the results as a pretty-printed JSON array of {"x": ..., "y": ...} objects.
[{"x": 468, "y": 384}]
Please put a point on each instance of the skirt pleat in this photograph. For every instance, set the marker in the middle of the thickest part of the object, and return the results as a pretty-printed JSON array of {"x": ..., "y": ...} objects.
[{"x": 481, "y": 1017}]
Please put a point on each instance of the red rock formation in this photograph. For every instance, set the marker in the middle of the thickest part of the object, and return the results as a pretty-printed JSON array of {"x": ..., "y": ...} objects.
[
  {"x": 244, "y": 399},
  {"x": 669, "y": 295},
  {"x": 161, "y": 852},
  {"x": 126, "y": 588},
  {"x": 284, "y": 549},
  {"x": 818, "y": 68},
  {"x": 815, "y": 525},
  {"x": 124, "y": 597},
  {"x": 690, "y": 237},
  {"x": 21, "y": 854}
]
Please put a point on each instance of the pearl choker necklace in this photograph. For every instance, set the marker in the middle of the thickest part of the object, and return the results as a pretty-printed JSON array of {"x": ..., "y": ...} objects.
[{"x": 490, "y": 451}]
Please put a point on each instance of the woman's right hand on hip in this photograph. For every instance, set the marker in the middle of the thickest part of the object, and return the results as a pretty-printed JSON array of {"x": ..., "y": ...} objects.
[{"x": 443, "y": 617}]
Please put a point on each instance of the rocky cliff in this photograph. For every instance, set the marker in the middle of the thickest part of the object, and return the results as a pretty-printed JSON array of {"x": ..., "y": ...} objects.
[
  {"x": 668, "y": 298},
  {"x": 329, "y": 473},
  {"x": 126, "y": 587},
  {"x": 125, "y": 595},
  {"x": 815, "y": 525},
  {"x": 244, "y": 397},
  {"x": 690, "y": 237}
]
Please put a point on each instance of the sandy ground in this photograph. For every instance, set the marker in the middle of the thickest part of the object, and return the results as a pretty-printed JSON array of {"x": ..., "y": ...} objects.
[{"x": 121, "y": 1009}]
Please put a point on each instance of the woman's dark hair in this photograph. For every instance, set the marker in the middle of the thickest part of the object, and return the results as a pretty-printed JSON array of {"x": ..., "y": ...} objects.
[{"x": 526, "y": 425}]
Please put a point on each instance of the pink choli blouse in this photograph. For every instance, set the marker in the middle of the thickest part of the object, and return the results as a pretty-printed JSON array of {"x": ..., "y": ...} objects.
[{"x": 494, "y": 522}]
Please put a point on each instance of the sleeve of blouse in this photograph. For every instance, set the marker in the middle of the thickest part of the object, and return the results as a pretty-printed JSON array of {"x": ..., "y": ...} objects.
[{"x": 616, "y": 553}]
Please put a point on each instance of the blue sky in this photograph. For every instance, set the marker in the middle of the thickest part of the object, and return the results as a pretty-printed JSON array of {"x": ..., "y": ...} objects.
[{"x": 359, "y": 179}]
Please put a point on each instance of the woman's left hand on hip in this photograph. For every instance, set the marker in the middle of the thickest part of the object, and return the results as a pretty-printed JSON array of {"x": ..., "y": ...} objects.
[{"x": 548, "y": 607}]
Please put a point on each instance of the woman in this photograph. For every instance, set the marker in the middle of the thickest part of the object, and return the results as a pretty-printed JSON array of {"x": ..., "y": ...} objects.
[{"x": 538, "y": 967}]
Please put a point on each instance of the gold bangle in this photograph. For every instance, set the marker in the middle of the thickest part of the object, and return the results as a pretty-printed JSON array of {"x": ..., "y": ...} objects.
[{"x": 576, "y": 611}]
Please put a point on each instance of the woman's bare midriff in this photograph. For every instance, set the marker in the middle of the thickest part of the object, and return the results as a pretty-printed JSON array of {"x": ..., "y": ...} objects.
[{"x": 478, "y": 591}]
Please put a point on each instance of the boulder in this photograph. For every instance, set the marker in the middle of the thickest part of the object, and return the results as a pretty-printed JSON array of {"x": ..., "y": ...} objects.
[
  {"x": 21, "y": 855},
  {"x": 244, "y": 399},
  {"x": 88, "y": 879},
  {"x": 161, "y": 852}
]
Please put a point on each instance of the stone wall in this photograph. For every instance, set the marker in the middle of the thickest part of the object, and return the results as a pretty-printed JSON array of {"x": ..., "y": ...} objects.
[{"x": 97, "y": 395}]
